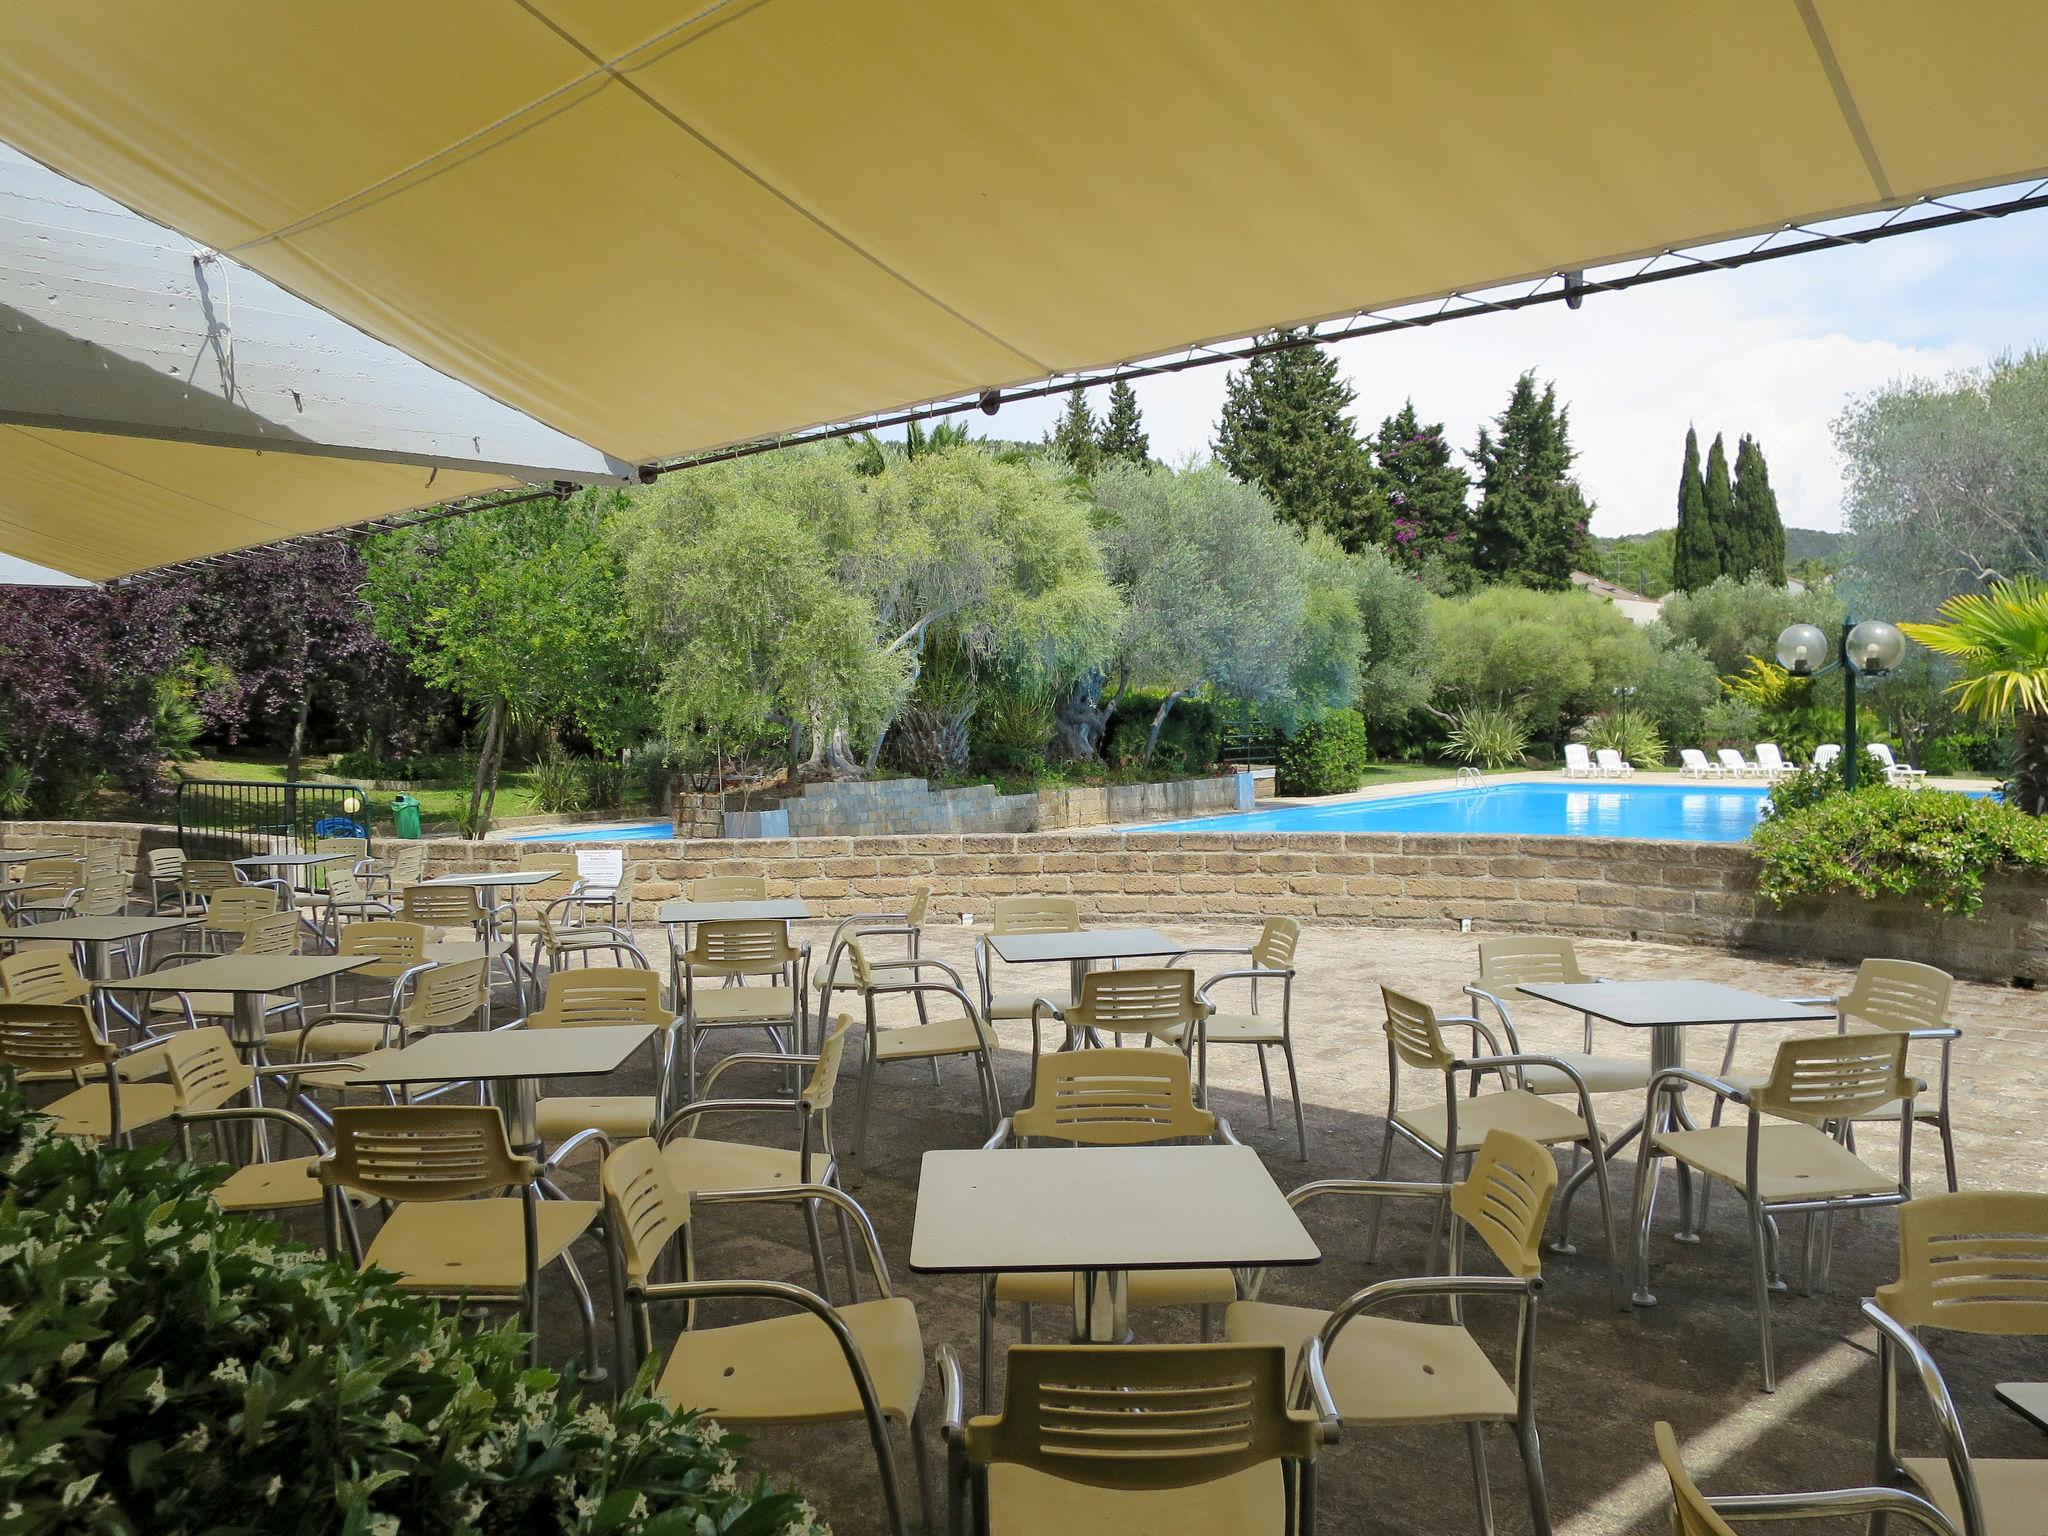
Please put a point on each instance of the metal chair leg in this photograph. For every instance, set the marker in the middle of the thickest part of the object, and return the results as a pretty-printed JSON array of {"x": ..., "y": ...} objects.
[
  {"x": 1266, "y": 1077},
  {"x": 1294, "y": 1091},
  {"x": 1645, "y": 1208},
  {"x": 1532, "y": 1469},
  {"x": 1760, "y": 1267},
  {"x": 1372, "y": 1220},
  {"x": 860, "y": 1116},
  {"x": 593, "y": 1365},
  {"x": 817, "y": 1239},
  {"x": 1475, "y": 1447},
  {"x": 924, "y": 1472}
]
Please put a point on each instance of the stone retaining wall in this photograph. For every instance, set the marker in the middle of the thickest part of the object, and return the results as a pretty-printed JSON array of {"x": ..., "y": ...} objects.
[{"x": 1669, "y": 892}]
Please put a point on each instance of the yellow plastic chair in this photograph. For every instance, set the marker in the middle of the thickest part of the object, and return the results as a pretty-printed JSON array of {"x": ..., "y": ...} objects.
[
  {"x": 1694, "y": 1513},
  {"x": 202, "y": 877},
  {"x": 929, "y": 1039},
  {"x": 727, "y": 888},
  {"x": 50, "y": 1041},
  {"x": 424, "y": 999},
  {"x": 210, "y": 1086},
  {"x": 1107, "y": 1098},
  {"x": 342, "y": 900},
  {"x": 51, "y": 888},
  {"x": 1507, "y": 965},
  {"x": 1143, "y": 1439},
  {"x": 442, "y": 909},
  {"x": 396, "y": 949},
  {"x": 231, "y": 911},
  {"x": 703, "y": 1165},
  {"x": 1023, "y": 914},
  {"x": 1385, "y": 1372},
  {"x": 405, "y": 864},
  {"x": 1154, "y": 1002},
  {"x": 275, "y": 934},
  {"x": 866, "y": 927},
  {"x": 740, "y": 952},
  {"x": 594, "y": 997},
  {"x": 1977, "y": 1263},
  {"x": 567, "y": 926},
  {"x": 526, "y": 906},
  {"x": 45, "y": 974},
  {"x": 1272, "y": 962},
  {"x": 1456, "y": 1130},
  {"x": 1784, "y": 1160},
  {"x": 453, "y": 1231},
  {"x": 819, "y": 1364},
  {"x": 164, "y": 870}
]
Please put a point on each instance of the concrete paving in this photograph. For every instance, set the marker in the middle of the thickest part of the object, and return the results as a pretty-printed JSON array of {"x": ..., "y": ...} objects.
[{"x": 1603, "y": 1375}]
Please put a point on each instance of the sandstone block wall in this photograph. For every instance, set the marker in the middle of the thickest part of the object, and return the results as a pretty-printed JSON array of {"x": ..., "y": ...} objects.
[{"x": 1668, "y": 892}]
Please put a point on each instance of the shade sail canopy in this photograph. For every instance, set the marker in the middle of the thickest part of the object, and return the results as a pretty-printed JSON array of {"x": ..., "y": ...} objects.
[
  {"x": 111, "y": 324},
  {"x": 665, "y": 226}
]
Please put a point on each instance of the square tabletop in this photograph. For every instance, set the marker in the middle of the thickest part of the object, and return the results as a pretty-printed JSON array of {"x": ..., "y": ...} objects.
[
  {"x": 455, "y": 1055},
  {"x": 103, "y": 930},
  {"x": 1661, "y": 1004},
  {"x": 1058, "y": 1208},
  {"x": 786, "y": 909},
  {"x": 2029, "y": 1399},
  {"x": 241, "y": 973},
  {"x": 486, "y": 877},
  {"x": 1088, "y": 944},
  {"x": 291, "y": 860},
  {"x": 23, "y": 855}
]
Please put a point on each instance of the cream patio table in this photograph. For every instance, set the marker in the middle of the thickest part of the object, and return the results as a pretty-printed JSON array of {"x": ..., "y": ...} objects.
[
  {"x": 1082, "y": 948},
  {"x": 1667, "y": 1009},
  {"x": 1102, "y": 1212},
  {"x": 96, "y": 937},
  {"x": 513, "y": 1061}
]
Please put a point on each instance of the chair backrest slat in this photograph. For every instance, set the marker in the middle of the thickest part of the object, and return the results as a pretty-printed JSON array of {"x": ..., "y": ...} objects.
[
  {"x": 277, "y": 934},
  {"x": 42, "y": 975},
  {"x": 1506, "y": 1199},
  {"x": 1144, "y": 1416},
  {"x": 205, "y": 1071},
  {"x": 232, "y": 907},
  {"x": 1035, "y": 914},
  {"x": 409, "y": 864},
  {"x": 397, "y": 946},
  {"x": 750, "y": 947},
  {"x": 824, "y": 1081},
  {"x": 729, "y": 888},
  {"x": 1274, "y": 950},
  {"x": 50, "y": 1036},
  {"x": 646, "y": 1207},
  {"x": 585, "y": 996},
  {"x": 1135, "y": 1001},
  {"x": 1898, "y": 994},
  {"x": 1512, "y": 962},
  {"x": 1691, "y": 1514},
  {"x": 1975, "y": 1262},
  {"x": 1413, "y": 1031},
  {"x": 1113, "y": 1098},
  {"x": 1835, "y": 1077},
  {"x": 446, "y": 996},
  {"x": 421, "y": 1151},
  {"x": 442, "y": 906}
]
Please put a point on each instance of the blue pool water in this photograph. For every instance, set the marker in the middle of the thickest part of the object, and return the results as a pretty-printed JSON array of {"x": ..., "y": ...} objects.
[
  {"x": 1667, "y": 812},
  {"x": 639, "y": 832}
]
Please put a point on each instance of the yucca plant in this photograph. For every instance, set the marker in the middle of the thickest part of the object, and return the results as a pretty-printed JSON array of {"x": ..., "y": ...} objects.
[
  {"x": 1633, "y": 735},
  {"x": 1488, "y": 735},
  {"x": 2000, "y": 640}
]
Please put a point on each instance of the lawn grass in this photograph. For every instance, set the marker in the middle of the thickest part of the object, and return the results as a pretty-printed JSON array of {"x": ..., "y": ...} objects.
[{"x": 440, "y": 809}]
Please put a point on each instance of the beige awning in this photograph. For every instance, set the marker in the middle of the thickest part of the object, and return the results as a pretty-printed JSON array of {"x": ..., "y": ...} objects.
[
  {"x": 100, "y": 506},
  {"x": 664, "y": 227}
]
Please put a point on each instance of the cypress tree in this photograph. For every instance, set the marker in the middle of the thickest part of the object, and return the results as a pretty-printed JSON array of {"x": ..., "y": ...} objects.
[
  {"x": 1123, "y": 430},
  {"x": 1425, "y": 490},
  {"x": 1731, "y": 541},
  {"x": 1287, "y": 428},
  {"x": 1756, "y": 509},
  {"x": 1077, "y": 436},
  {"x": 1695, "y": 556},
  {"x": 1530, "y": 524}
]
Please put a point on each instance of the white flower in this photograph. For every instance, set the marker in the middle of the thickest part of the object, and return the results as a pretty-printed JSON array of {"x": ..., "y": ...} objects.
[
  {"x": 383, "y": 1525},
  {"x": 272, "y": 1489},
  {"x": 196, "y": 1439},
  {"x": 586, "y": 1506},
  {"x": 232, "y": 1372},
  {"x": 100, "y": 1290},
  {"x": 156, "y": 1391}
]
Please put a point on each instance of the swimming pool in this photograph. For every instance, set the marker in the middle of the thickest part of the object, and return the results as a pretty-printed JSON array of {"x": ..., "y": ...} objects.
[
  {"x": 638, "y": 832},
  {"x": 1666, "y": 812}
]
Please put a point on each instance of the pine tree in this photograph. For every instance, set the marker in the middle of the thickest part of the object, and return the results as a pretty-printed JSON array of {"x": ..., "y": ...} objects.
[
  {"x": 1123, "y": 430},
  {"x": 1425, "y": 490},
  {"x": 1756, "y": 509},
  {"x": 1077, "y": 436},
  {"x": 1695, "y": 556},
  {"x": 1530, "y": 524},
  {"x": 1287, "y": 429},
  {"x": 1731, "y": 541}
]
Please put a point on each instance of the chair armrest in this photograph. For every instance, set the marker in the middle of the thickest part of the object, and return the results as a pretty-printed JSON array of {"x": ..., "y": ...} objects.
[
  {"x": 1380, "y": 1294},
  {"x": 1249, "y": 973},
  {"x": 925, "y": 962},
  {"x": 1224, "y": 1133},
  {"x": 1215, "y": 949},
  {"x": 908, "y": 988},
  {"x": 697, "y": 1108},
  {"x": 1832, "y": 1502},
  {"x": 952, "y": 1393},
  {"x": 590, "y": 1136},
  {"x": 282, "y": 1117},
  {"x": 1388, "y": 1188},
  {"x": 1946, "y": 1032},
  {"x": 801, "y": 1193},
  {"x": 1697, "y": 1079},
  {"x": 1331, "y": 1422},
  {"x": 1041, "y": 1006},
  {"x": 755, "y": 1059},
  {"x": 1005, "y": 1128}
]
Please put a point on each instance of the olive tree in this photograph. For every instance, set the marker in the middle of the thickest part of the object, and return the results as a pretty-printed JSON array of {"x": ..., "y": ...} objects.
[
  {"x": 731, "y": 576},
  {"x": 1553, "y": 657}
]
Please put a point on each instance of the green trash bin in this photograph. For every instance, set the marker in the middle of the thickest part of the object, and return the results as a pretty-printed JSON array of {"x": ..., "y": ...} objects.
[{"x": 405, "y": 813}]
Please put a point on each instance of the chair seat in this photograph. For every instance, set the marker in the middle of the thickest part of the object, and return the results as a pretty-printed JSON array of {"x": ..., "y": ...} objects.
[
  {"x": 702, "y": 1166},
  {"x": 281, "y": 1185},
  {"x": 84, "y": 1111},
  {"x": 1603, "y": 1074},
  {"x": 1017, "y": 1005},
  {"x": 1231, "y": 1029},
  {"x": 712, "y": 1006},
  {"x": 621, "y": 1118},
  {"x": 343, "y": 1037},
  {"x": 1384, "y": 1370},
  {"x": 2012, "y": 1492},
  {"x": 1794, "y": 1162},
  {"x": 1148, "y": 1288},
  {"x": 1527, "y": 1114},
  {"x": 474, "y": 1247},
  {"x": 941, "y": 1037},
  {"x": 1022, "y": 1501},
  {"x": 791, "y": 1370}
]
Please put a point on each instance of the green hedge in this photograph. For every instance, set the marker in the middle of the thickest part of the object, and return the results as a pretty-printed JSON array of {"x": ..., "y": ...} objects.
[
  {"x": 1927, "y": 844},
  {"x": 1189, "y": 742},
  {"x": 170, "y": 1368},
  {"x": 1327, "y": 756}
]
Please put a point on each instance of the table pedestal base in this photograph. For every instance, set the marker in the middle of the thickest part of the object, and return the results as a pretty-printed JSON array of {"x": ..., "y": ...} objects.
[{"x": 1102, "y": 1306}]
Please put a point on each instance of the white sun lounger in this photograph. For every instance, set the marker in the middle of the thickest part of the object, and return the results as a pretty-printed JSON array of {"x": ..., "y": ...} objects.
[
  {"x": 1611, "y": 766},
  {"x": 1693, "y": 764},
  {"x": 1895, "y": 773},
  {"x": 1578, "y": 763},
  {"x": 1770, "y": 762},
  {"x": 1735, "y": 765}
]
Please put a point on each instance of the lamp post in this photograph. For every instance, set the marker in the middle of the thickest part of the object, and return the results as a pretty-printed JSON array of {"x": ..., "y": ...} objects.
[{"x": 1869, "y": 649}]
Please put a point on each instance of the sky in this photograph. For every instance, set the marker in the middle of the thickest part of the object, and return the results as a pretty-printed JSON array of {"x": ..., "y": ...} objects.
[{"x": 1776, "y": 351}]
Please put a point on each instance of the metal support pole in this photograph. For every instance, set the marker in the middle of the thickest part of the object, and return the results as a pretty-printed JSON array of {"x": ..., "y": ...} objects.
[{"x": 1851, "y": 751}]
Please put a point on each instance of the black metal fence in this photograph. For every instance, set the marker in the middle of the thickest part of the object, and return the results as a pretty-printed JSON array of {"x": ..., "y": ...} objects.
[
  {"x": 1244, "y": 746},
  {"x": 232, "y": 818}
]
